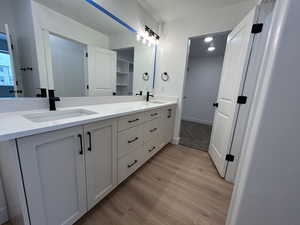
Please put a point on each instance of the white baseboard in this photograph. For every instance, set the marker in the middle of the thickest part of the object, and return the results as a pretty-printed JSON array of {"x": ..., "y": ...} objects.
[
  {"x": 3, "y": 215},
  {"x": 196, "y": 120},
  {"x": 175, "y": 140}
]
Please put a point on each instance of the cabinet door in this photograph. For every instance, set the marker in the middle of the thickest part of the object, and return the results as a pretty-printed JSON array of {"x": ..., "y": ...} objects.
[
  {"x": 167, "y": 124},
  {"x": 100, "y": 139},
  {"x": 54, "y": 176}
]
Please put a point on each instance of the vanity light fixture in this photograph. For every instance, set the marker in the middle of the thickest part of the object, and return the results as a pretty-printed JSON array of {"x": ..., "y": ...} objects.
[
  {"x": 211, "y": 49},
  {"x": 208, "y": 39},
  {"x": 151, "y": 36}
]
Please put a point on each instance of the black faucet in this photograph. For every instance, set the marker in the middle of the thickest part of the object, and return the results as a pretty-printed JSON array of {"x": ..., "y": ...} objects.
[
  {"x": 52, "y": 100},
  {"x": 148, "y": 96},
  {"x": 139, "y": 93}
]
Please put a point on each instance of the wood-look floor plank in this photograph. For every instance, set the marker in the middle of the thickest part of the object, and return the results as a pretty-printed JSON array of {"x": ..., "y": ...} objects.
[{"x": 179, "y": 186}]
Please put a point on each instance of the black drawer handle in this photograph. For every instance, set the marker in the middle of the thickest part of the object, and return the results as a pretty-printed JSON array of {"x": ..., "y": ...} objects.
[
  {"x": 133, "y": 140},
  {"x": 90, "y": 141},
  {"x": 132, "y": 164},
  {"x": 152, "y": 149},
  {"x": 133, "y": 121},
  {"x": 153, "y": 130},
  {"x": 154, "y": 114},
  {"x": 81, "y": 145}
]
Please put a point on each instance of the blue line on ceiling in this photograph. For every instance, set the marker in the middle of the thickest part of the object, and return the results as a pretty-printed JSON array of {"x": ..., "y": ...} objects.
[{"x": 96, "y": 5}]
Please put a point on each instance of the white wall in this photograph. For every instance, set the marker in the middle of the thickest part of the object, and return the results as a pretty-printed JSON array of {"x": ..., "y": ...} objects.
[
  {"x": 174, "y": 46},
  {"x": 267, "y": 191},
  {"x": 68, "y": 60},
  {"x": 201, "y": 89},
  {"x": 130, "y": 12}
]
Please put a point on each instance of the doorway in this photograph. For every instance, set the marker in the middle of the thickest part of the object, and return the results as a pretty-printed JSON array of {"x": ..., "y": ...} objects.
[
  {"x": 68, "y": 59},
  {"x": 202, "y": 80}
]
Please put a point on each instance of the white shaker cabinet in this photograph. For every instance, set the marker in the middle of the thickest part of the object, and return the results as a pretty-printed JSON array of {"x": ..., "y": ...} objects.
[
  {"x": 53, "y": 168},
  {"x": 68, "y": 172},
  {"x": 167, "y": 124},
  {"x": 60, "y": 175},
  {"x": 100, "y": 156}
]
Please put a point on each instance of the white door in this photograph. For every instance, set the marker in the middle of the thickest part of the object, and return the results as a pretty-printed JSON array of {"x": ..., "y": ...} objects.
[
  {"x": 239, "y": 44},
  {"x": 54, "y": 176},
  {"x": 100, "y": 160},
  {"x": 12, "y": 64},
  {"x": 102, "y": 71}
]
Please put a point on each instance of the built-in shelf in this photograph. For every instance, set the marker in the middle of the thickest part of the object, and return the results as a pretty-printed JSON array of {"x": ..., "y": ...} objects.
[
  {"x": 122, "y": 85},
  {"x": 124, "y": 60},
  {"x": 123, "y": 73}
]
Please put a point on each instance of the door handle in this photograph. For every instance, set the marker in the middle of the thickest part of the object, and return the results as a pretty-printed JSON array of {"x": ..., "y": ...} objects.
[
  {"x": 81, "y": 146},
  {"x": 216, "y": 105},
  {"x": 90, "y": 141}
]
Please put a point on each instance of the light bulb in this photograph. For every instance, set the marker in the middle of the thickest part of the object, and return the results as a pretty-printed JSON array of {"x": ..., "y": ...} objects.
[
  {"x": 211, "y": 49},
  {"x": 208, "y": 39},
  {"x": 138, "y": 37}
]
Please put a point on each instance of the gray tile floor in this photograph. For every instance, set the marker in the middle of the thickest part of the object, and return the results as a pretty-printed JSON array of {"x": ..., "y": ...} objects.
[{"x": 195, "y": 135}]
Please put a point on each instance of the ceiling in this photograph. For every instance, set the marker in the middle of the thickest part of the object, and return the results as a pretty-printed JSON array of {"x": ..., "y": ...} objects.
[
  {"x": 168, "y": 10},
  {"x": 198, "y": 47},
  {"x": 86, "y": 14}
]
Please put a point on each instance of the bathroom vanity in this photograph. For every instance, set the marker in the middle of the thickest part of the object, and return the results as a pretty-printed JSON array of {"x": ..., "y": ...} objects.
[{"x": 56, "y": 166}]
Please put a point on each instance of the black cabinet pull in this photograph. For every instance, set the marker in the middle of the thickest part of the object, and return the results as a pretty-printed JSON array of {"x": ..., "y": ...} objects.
[
  {"x": 154, "y": 114},
  {"x": 133, "y": 140},
  {"x": 216, "y": 105},
  {"x": 132, "y": 164},
  {"x": 90, "y": 141},
  {"x": 132, "y": 121},
  {"x": 152, "y": 149},
  {"x": 153, "y": 130},
  {"x": 169, "y": 113},
  {"x": 81, "y": 146}
]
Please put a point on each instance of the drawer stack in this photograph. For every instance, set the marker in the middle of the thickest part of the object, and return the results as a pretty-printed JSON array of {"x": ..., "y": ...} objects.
[{"x": 138, "y": 141}]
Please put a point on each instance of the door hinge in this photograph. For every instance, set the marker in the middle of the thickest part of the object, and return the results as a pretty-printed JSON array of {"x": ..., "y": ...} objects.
[
  {"x": 229, "y": 158},
  {"x": 87, "y": 87},
  {"x": 257, "y": 28},
  {"x": 86, "y": 54},
  {"x": 12, "y": 47},
  {"x": 242, "y": 100}
]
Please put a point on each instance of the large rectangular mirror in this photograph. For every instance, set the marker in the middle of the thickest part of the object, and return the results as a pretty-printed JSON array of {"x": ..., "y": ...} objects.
[{"x": 76, "y": 48}]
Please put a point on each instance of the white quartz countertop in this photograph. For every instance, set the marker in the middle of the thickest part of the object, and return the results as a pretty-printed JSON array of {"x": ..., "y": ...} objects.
[{"x": 14, "y": 125}]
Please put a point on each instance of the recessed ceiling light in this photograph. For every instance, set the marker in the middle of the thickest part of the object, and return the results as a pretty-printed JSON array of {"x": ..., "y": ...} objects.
[
  {"x": 211, "y": 49},
  {"x": 208, "y": 39}
]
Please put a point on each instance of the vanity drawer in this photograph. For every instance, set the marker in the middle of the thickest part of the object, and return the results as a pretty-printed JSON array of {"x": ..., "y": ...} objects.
[
  {"x": 150, "y": 149},
  {"x": 129, "y": 140},
  {"x": 129, "y": 164},
  {"x": 151, "y": 130},
  {"x": 130, "y": 121},
  {"x": 153, "y": 114}
]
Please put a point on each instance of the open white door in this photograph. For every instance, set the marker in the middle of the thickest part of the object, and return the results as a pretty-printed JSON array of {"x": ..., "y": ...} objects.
[
  {"x": 239, "y": 44},
  {"x": 102, "y": 71},
  {"x": 12, "y": 65}
]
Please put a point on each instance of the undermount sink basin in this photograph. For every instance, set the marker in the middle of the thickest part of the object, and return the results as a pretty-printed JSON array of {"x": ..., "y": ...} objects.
[
  {"x": 57, "y": 115},
  {"x": 157, "y": 102}
]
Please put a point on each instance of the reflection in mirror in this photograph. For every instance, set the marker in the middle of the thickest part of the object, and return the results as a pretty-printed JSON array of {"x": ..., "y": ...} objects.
[
  {"x": 73, "y": 48},
  {"x": 68, "y": 66},
  {"x": 7, "y": 78}
]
